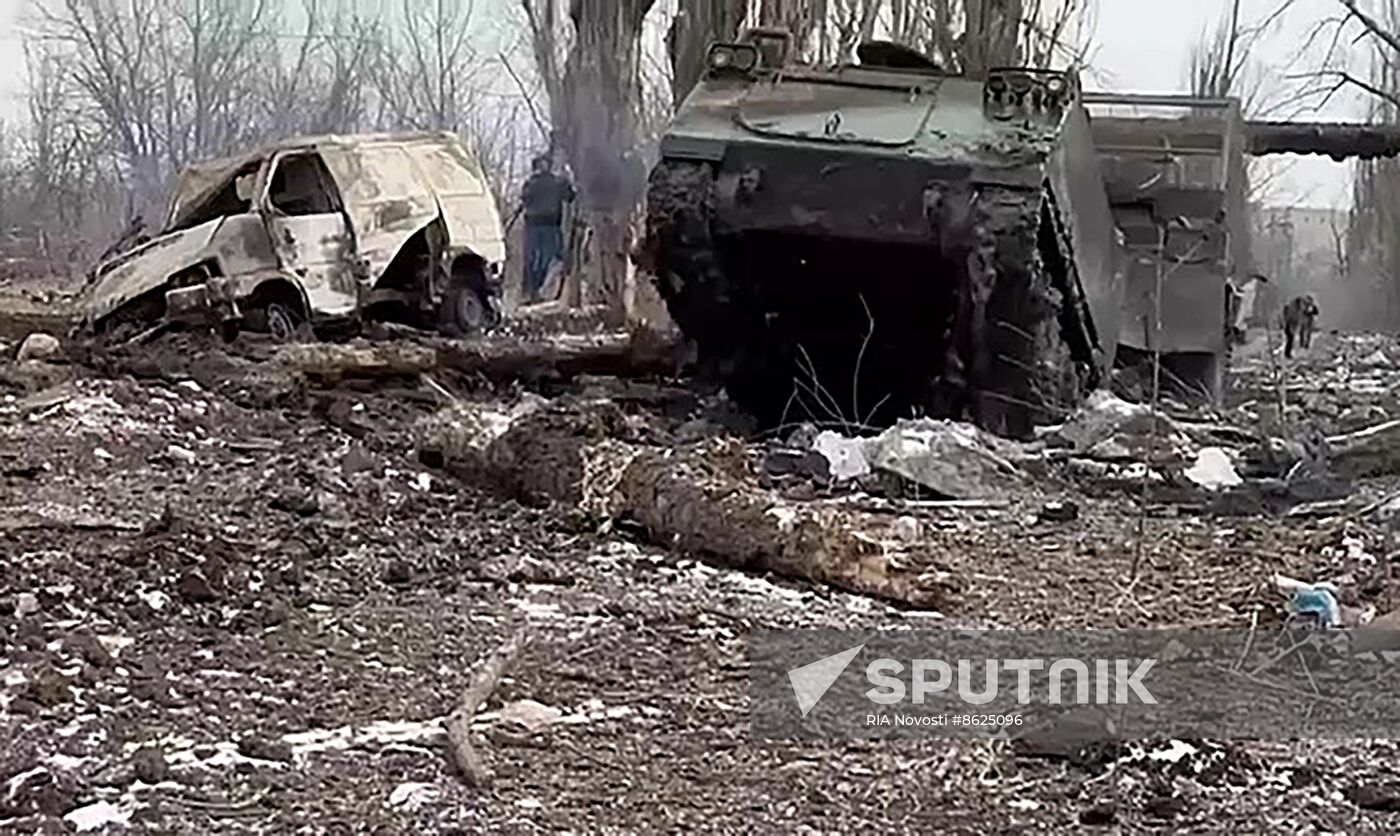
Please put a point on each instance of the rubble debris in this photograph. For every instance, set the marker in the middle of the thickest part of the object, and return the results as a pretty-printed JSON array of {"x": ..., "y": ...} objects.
[
  {"x": 948, "y": 458},
  {"x": 785, "y": 461},
  {"x": 953, "y": 460},
  {"x": 149, "y": 765},
  {"x": 195, "y": 588},
  {"x": 1380, "y": 796},
  {"x": 1108, "y": 427},
  {"x": 530, "y": 715},
  {"x": 1059, "y": 511},
  {"x": 461, "y": 433},
  {"x": 38, "y": 346},
  {"x": 26, "y": 604},
  {"x": 264, "y": 749},
  {"x": 1273, "y": 458}
]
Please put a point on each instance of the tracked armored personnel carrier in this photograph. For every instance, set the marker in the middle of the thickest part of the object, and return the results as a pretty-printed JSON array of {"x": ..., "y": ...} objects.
[{"x": 865, "y": 242}]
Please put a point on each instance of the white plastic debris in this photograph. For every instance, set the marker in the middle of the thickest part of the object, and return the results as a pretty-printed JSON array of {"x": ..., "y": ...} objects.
[
  {"x": 1213, "y": 469},
  {"x": 530, "y": 715},
  {"x": 845, "y": 457},
  {"x": 96, "y": 816}
]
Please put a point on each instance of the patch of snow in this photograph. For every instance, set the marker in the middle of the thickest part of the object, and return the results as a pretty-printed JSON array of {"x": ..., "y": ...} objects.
[
  {"x": 98, "y": 815},
  {"x": 66, "y": 763},
  {"x": 411, "y": 795},
  {"x": 531, "y": 715},
  {"x": 1175, "y": 751},
  {"x": 380, "y": 732},
  {"x": 17, "y": 781},
  {"x": 154, "y": 598},
  {"x": 115, "y": 644}
]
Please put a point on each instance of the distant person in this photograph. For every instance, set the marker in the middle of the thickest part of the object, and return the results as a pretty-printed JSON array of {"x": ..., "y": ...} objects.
[
  {"x": 1299, "y": 321},
  {"x": 543, "y": 199},
  {"x": 1234, "y": 301}
]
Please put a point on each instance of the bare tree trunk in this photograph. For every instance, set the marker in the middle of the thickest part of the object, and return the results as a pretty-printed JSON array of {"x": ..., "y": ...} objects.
[
  {"x": 593, "y": 103},
  {"x": 993, "y": 35},
  {"x": 798, "y": 17},
  {"x": 696, "y": 25}
]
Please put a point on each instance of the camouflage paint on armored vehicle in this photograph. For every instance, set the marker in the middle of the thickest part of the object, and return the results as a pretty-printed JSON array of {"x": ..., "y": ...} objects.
[{"x": 874, "y": 240}]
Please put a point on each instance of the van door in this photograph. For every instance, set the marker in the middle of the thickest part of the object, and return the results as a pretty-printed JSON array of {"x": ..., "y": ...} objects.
[{"x": 310, "y": 233}]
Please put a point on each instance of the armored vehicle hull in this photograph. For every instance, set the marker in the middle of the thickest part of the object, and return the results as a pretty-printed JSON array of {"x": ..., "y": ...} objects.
[{"x": 864, "y": 243}]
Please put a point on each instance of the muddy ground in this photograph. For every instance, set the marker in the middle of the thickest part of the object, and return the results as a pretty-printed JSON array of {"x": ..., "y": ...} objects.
[{"x": 232, "y": 602}]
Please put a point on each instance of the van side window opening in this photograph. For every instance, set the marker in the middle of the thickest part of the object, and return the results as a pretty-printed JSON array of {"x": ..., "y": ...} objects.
[
  {"x": 234, "y": 197},
  {"x": 302, "y": 186}
]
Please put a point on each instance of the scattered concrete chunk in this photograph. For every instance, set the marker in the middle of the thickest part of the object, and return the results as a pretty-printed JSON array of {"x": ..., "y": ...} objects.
[
  {"x": 846, "y": 457},
  {"x": 951, "y": 459},
  {"x": 38, "y": 346}
]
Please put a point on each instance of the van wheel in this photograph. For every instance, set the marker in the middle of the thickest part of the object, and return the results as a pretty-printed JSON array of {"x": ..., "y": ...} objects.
[
  {"x": 464, "y": 311},
  {"x": 283, "y": 323}
]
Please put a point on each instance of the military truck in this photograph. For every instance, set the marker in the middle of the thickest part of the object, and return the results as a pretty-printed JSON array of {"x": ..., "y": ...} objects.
[{"x": 858, "y": 243}]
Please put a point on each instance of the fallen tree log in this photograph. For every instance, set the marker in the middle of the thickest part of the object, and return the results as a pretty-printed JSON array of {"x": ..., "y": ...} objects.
[
  {"x": 1374, "y": 451},
  {"x": 459, "y": 724},
  {"x": 703, "y": 499},
  {"x": 332, "y": 362},
  {"x": 622, "y": 354}
]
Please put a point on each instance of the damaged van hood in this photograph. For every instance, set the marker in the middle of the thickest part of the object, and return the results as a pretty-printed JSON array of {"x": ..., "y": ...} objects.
[{"x": 148, "y": 267}]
